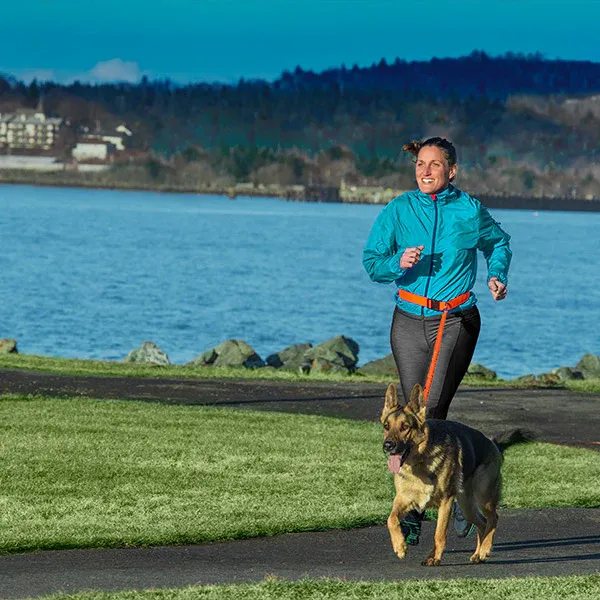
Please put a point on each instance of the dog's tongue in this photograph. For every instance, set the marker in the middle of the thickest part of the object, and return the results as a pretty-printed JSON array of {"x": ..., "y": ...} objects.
[{"x": 394, "y": 463}]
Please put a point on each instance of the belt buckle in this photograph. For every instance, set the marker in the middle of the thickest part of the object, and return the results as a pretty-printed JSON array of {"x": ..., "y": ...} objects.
[{"x": 434, "y": 304}]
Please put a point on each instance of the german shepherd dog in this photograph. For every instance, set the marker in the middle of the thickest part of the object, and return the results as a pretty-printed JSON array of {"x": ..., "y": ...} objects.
[{"x": 435, "y": 462}]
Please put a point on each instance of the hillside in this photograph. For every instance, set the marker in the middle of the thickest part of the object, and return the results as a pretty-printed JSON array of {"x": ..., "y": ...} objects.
[{"x": 522, "y": 124}]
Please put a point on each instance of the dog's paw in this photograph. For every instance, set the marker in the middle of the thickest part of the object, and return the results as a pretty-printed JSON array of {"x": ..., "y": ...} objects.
[
  {"x": 400, "y": 550},
  {"x": 430, "y": 561},
  {"x": 479, "y": 558}
]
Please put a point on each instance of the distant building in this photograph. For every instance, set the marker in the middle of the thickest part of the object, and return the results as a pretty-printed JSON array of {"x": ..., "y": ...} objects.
[
  {"x": 28, "y": 129},
  {"x": 116, "y": 137},
  {"x": 93, "y": 148}
]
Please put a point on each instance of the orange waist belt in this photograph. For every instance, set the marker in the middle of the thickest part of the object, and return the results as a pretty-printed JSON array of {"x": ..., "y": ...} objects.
[
  {"x": 434, "y": 304},
  {"x": 443, "y": 307}
]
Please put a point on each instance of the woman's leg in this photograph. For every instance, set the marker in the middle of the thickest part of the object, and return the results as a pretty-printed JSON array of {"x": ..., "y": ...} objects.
[
  {"x": 458, "y": 345},
  {"x": 410, "y": 349},
  {"x": 411, "y": 355}
]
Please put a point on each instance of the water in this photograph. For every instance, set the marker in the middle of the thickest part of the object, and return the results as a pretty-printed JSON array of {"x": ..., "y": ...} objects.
[{"x": 94, "y": 273}]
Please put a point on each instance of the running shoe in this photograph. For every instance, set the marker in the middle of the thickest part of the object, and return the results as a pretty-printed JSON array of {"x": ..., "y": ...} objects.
[
  {"x": 411, "y": 527},
  {"x": 461, "y": 526}
]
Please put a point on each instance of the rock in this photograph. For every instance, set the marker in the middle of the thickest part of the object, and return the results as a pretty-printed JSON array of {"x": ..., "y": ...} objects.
[
  {"x": 385, "y": 366},
  {"x": 8, "y": 346},
  {"x": 338, "y": 354},
  {"x": 232, "y": 353},
  {"x": 548, "y": 378},
  {"x": 291, "y": 358},
  {"x": 529, "y": 378},
  {"x": 567, "y": 373},
  {"x": 589, "y": 366},
  {"x": 148, "y": 353},
  {"x": 478, "y": 370}
]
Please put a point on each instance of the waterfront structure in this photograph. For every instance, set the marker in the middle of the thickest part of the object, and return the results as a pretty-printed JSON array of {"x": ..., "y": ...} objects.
[
  {"x": 93, "y": 148},
  {"x": 28, "y": 129},
  {"x": 115, "y": 137}
]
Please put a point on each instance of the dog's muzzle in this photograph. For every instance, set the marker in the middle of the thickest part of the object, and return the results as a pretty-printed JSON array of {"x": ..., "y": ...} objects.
[{"x": 397, "y": 454}]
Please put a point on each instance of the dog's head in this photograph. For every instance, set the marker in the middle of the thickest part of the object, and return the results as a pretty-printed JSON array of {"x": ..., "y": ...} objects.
[{"x": 403, "y": 426}]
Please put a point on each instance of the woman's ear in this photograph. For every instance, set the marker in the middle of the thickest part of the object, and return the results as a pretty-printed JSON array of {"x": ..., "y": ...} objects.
[{"x": 452, "y": 172}]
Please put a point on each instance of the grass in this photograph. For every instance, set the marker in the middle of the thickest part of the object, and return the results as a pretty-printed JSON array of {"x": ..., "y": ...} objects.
[
  {"x": 573, "y": 587},
  {"x": 73, "y": 366},
  {"x": 90, "y": 473}
]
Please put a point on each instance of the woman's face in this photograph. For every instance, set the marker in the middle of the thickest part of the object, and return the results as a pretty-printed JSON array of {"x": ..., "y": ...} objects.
[{"x": 432, "y": 170}]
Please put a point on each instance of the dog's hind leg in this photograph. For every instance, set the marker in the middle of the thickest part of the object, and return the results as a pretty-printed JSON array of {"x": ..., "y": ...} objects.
[
  {"x": 487, "y": 495},
  {"x": 441, "y": 533},
  {"x": 485, "y": 541}
]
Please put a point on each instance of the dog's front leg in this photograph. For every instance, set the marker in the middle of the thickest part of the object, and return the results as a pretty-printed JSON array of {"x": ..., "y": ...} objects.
[
  {"x": 441, "y": 533},
  {"x": 399, "y": 510}
]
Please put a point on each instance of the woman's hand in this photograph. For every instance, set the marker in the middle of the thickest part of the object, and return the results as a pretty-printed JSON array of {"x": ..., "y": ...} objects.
[
  {"x": 497, "y": 288},
  {"x": 410, "y": 257}
]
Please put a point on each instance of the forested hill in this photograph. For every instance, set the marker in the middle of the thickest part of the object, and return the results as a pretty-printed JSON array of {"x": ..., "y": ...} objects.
[
  {"x": 475, "y": 75},
  {"x": 522, "y": 124}
]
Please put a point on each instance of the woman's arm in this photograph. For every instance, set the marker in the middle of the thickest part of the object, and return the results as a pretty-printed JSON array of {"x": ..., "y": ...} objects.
[
  {"x": 381, "y": 257},
  {"x": 494, "y": 243}
]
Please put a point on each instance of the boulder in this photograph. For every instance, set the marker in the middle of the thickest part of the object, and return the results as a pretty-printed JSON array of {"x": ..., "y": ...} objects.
[
  {"x": 385, "y": 367},
  {"x": 478, "y": 370},
  {"x": 291, "y": 358},
  {"x": 548, "y": 378},
  {"x": 529, "y": 378},
  {"x": 232, "y": 353},
  {"x": 567, "y": 373},
  {"x": 148, "y": 353},
  {"x": 338, "y": 354},
  {"x": 8, "y": 346},
  {"x": 589, "y": 366}
]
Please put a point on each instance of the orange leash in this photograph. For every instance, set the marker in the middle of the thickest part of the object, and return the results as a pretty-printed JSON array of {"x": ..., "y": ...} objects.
[
  {"x": 444, "y": 307},
  {"x": 434, "y": 357}
]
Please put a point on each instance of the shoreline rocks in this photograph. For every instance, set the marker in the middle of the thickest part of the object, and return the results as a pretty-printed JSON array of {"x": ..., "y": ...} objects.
[
  {"x": 8, "y": 346},
  {"x": 232, "y": 353},
  {"x": 148, "y": 353},
  {"x": 335, "y": 355}
]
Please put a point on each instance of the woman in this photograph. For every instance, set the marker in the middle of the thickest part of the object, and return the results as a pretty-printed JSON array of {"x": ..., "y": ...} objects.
[{"x": 426, "y": 242}]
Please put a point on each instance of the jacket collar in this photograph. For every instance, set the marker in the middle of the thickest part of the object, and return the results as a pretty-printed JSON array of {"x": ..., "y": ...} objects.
[{"x": 443, "y": 197}]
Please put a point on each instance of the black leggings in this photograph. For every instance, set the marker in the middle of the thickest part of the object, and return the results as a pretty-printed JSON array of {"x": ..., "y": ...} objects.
[{"x": 412, "y": 339}]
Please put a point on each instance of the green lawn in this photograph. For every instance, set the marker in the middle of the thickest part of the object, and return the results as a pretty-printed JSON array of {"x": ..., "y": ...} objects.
[
  {"x": 92, "y": 473},
  {"x": 72, "y": 366},
  {"x": 525, "y": 588}
]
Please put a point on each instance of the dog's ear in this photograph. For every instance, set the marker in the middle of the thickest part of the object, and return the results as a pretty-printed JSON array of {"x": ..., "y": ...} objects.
[
  {"x": 416, "y": 403},
  {"x": 391, "y": 401}
]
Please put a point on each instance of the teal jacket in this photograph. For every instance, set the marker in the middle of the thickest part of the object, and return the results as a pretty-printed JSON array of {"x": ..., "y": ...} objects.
[{"x": 451, "y": 228}]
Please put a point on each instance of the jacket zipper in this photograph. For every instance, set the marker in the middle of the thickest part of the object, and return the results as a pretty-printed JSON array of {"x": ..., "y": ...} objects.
[{"x": 435, "y": 223}]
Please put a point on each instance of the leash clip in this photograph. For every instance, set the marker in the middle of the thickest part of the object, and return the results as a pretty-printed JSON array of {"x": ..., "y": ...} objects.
[{"x": 436, "y": 305}]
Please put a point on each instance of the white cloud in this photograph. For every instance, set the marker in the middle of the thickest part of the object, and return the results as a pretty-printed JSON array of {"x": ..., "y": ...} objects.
[
  {"x": 108, "y": 71},
  {"x": 116, "y": 70}
]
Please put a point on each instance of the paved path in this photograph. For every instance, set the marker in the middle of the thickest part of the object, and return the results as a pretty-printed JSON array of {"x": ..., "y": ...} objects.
[
  {"x": 549, "y": 542},
  {"x": 556, "y": 415},
  {"x": 529, "y": 542}
]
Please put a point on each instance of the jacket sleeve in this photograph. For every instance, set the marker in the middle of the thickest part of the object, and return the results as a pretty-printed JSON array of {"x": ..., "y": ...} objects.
[
  {"x": 381, "y": 256},
  {"x": 494, "y": 243}
]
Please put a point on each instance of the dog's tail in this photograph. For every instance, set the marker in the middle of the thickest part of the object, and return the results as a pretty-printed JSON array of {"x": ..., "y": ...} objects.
[{"x": 512, "y": 438}]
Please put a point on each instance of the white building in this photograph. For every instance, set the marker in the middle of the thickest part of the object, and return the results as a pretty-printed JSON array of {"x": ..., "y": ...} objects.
[
  {"x": 93, "y": 149},
  {"x": 28, "y": 129},
  {"x": 116, "y": 137}
]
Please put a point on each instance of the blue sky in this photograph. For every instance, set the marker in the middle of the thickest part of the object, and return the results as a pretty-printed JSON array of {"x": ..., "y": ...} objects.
[{"x": 223, "y": 40}]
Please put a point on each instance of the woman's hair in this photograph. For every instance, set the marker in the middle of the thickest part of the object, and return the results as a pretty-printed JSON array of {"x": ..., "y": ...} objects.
[{"x": 447, "y": 148}]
